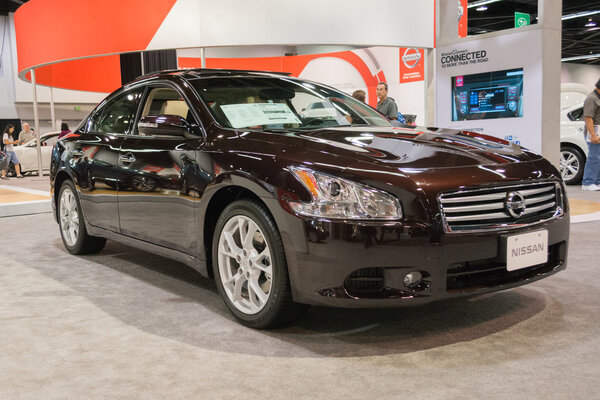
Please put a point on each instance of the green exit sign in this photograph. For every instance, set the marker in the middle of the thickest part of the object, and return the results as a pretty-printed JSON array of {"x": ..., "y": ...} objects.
[{"x": 522, "y": 19}]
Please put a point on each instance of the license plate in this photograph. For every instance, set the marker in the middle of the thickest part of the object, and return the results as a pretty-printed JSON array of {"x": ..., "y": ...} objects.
[{"x": 526, "y": 250}]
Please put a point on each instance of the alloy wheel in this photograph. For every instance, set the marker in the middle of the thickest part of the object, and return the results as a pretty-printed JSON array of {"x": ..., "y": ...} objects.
[
  {"x": 569, "y": 165},
  {"x": 69, "y": 217},
  {"x": 245, "y": 264}
]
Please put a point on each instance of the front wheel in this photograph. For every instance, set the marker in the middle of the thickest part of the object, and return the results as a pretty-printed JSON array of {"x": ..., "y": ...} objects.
[
  {"x": 72, "y": 226},
  {"x": 250, "y": 268},
  {"x": 572, "y": 163}
]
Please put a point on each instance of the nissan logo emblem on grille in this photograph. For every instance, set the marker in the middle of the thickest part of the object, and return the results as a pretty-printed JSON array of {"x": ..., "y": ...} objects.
[{"x": 515, "y": 204}]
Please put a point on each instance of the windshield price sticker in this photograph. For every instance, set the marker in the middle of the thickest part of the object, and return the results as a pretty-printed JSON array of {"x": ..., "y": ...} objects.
[{"x": 253, "y": 114}]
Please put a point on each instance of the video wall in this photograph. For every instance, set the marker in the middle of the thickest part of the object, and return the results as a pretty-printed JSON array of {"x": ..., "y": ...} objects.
[{"x": 489, "y": 95}]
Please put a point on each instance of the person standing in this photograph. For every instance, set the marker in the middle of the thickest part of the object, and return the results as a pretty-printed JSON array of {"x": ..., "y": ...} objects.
[
  {"x": 360, "y": 95},
  {"x": 9, "y": 141},
  {"x": 64, "y": 130},
  {"x": 386, "y": 105},
  {"x": 26, "y": 134},
  {"x": 591, "y": 116}
]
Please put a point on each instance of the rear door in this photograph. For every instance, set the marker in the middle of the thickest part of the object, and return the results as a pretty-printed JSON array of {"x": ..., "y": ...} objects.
[
  {"x": 95, "y": 153},
  {"x": 156, "y": 174}
]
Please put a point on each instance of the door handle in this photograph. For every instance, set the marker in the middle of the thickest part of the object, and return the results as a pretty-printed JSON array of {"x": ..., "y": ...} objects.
[
  {"x": 580, "y": 129},
  {"x": 127, "y": 158},
  {"x": 77, "y": 153}
]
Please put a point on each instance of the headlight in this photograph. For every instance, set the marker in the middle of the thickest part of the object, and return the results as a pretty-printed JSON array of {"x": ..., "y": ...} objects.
[{"x": 341, "y": 199}]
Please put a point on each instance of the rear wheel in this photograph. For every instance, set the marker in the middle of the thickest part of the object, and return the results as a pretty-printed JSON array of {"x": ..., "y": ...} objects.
[
  {"x": 250, "y": 268},
  {"x": 72, "y": 226},
  {"x": 572, "y": 163}
]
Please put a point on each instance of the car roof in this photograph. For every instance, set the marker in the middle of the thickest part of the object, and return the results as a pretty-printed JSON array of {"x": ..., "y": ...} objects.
[{"x": 209, "y": 72}]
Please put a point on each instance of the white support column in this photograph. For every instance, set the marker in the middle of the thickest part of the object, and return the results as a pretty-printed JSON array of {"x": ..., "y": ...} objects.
[
  {"x": 36, "y": 120},
  {"x": 142, "y": 61},
  {"x": 550, "y": 12},
  {"x": 202, "y": 57},
  {"x": 52, "y": 115},
  {"x": 429, "y": 87},
  {"x": 446, "y": 30}
]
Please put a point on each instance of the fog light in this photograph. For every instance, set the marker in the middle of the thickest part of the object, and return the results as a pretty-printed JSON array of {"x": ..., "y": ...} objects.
[{"x": 413, "y": 279}]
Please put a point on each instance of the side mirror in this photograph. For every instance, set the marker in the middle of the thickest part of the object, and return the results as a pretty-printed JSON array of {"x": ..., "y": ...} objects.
[{"x": 163, "y": 125}]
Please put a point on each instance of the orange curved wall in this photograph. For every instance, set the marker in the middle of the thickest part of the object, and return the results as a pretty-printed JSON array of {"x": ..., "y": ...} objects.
[
  {"x": 97, "y": 74},
  {"x": 53, "y": 30}
]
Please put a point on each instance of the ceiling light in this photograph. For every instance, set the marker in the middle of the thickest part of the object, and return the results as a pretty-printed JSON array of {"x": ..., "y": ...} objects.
[
  {"x": 579, "y": 15},
  {"x": 481, "y": 3},
  {"x": 589, "y": 57},
  {"x": 481, "y": 8},
  {"x": 590, "y": 23}
]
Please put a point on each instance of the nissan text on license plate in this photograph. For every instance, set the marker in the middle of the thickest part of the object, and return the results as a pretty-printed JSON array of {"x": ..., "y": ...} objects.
[{"x": 526, "y": 250}]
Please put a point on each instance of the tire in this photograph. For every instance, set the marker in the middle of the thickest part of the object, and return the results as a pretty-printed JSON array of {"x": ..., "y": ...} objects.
[
  {"x": 72, "y": 225},
  {"x": 572, "y": 163},
  {"x": 251, "y": 275}
]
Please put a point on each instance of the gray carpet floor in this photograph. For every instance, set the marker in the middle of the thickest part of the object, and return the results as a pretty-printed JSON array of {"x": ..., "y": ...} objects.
[{"x": 125, "y": 324}]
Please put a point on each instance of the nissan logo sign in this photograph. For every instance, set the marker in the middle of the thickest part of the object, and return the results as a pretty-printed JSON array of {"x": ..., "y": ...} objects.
[
  {"x": 515, "y": 204},
  {"x": 411, "y": 57}
]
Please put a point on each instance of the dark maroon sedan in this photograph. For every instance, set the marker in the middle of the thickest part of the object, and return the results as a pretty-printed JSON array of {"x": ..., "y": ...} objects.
[{"x": 285, "y": 204}]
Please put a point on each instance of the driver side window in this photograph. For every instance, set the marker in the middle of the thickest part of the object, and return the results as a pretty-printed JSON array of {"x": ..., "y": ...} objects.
[
  {"x": 117, "y": 116},
  {"x": 576, "y": 115},
  {"x": 166, "y": 101}
]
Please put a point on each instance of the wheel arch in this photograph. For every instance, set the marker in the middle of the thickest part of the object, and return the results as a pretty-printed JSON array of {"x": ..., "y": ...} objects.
[
  {"x": 575, "y": 146},
  {"x": 232, "y": 188},
  {"x": 60, "y": 178}
]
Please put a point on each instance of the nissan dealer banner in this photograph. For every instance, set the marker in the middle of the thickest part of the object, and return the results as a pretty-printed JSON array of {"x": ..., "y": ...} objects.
[{"x": 412, "y": 64}]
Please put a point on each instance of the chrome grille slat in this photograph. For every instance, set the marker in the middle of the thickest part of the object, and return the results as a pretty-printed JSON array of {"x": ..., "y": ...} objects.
[
  {"x": 538, "y": 208},
  {"x": 492, "y": 196},
  {"x": 530, "y": 192},
  {"x": 480, "y": 209},
  {"x": 534, "y": 200},
  {"x": 478, "y": 217}
]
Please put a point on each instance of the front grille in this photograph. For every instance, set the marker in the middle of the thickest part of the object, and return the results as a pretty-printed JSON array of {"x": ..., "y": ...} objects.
[
  {"x": 487, "y": 209},
  {"x": 481, "y": 274},
  {"x": 365, "y": 280}
]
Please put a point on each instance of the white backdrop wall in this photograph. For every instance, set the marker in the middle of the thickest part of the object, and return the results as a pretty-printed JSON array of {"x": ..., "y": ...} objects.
[
  {"x": 508, "y": 51},
  {"x": 580, "y": 73},
  {"x": 193, "y": 23}
]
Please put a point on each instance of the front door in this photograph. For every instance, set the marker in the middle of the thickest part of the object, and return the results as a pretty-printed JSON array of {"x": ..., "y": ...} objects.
[{"x": 155, "y": 200}]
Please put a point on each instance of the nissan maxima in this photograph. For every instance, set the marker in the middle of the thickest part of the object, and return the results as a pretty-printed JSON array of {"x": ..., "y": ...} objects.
[{"x": 222, "y": 170}]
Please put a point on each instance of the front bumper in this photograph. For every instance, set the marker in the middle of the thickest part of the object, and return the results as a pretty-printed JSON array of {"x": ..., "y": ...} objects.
[{"x": 363, "y": 265}]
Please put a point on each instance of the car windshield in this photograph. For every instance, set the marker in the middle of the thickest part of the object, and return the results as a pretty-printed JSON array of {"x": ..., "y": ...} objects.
[{"x": 272, "y": 103}]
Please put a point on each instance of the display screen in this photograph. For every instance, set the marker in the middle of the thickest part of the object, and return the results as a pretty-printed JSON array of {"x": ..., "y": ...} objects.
[{"x": 497, "y": 94}]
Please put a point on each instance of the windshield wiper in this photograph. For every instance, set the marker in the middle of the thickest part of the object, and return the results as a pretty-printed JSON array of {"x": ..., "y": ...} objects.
[{"x": 273, "y": 130}]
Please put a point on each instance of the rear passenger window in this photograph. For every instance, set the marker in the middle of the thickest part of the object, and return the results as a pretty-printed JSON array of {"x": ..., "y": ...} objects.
[{"x": 117, "y": 116}]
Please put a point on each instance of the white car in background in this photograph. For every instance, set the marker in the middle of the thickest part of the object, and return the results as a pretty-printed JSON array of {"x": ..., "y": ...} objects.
[
  {"x": 27, "y": 153},
  {"x": 572, "y": 94},
  {"x": 573, "y": 148}
]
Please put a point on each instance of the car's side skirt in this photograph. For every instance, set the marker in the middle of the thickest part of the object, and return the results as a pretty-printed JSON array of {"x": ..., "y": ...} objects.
[{"x": 189, "y": 260}]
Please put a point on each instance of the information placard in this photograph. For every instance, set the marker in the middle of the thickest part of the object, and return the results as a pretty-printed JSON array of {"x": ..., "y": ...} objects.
[{"x": 253, "y": 114}]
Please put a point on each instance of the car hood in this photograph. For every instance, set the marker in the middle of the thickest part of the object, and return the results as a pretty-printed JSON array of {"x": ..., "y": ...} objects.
[{"x": 404, "y": 148}]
